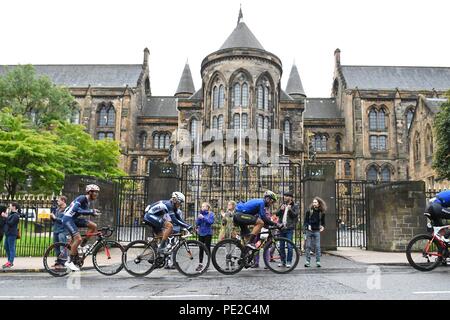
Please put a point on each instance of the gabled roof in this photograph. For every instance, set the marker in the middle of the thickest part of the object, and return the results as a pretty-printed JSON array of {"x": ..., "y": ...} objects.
[
  {"x": 96, "y": 75},
  {"x": 186, "y": 84},
  {"x": 321, "y": 108},
  {"x": 197, "y": 95},
  {"x": 434, "y": 104},
  {"x": 294, "y": 84},
  {"x": 241, "y": 37},
  {"x": 285, "y": 97},
  {"x": 160, "y": 107},
  {"x": 392, "y": 77}
]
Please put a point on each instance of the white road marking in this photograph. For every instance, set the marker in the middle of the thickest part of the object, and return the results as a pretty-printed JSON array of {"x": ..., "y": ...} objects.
[
  {"x": 184, "y": 296},
  {"x": 129, "y": 297},
  {"x": 13, "y": 297},
  {"x": 431, "y": 292},
  {"x": 65, "y": 297}
]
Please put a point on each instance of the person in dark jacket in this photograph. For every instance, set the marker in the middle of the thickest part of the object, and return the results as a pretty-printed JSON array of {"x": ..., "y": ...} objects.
[
  {"x": 2, "y": 220},
  {"x": 314, "y": 225},
  {"x": 59, "y": 232},
  {"x": 204, "y": 222},
  {"x": 288, "y": 216},
  {"x": 11, "y": 231}
]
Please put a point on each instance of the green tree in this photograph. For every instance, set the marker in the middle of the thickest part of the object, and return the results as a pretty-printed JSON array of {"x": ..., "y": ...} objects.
[
  {"x": 27, "y": 153},
  {"x": 26, "y": 93},
  {"x": 441, "y": 159}
]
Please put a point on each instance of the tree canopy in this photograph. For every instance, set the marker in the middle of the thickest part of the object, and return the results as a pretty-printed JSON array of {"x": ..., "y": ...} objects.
[{"x": 441, "y": 159}]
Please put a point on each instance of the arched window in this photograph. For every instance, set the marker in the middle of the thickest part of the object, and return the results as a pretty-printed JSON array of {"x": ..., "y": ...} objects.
[
  {"x": 416, "y": 147},
  {"x": 287, "y": 131},
  {"x": 372, "y": 174},
  {"x": 409, "y": 117},
  {"x": 260, "y": 125},
  {"x": 373, "y": 120},
  {"x": 167, "y": 141},
  {"x": 101, "y": 136},
  {"x": 348, "y": 169},
  {"x": 381, "y": 120},
  {"x": 266, "y": 98},
  {"x": 382, "y": 143},
  {"x": 149, "y": 165},
  {"x": 244, "y": 95},
  {"x": 220, "y": 123},
  {"x": 221, "y": 96},
  {"x": 156, "y": 140},
  {"x": 429, "y": 142},
  {"x": 236, "y": 95},
  {"x": 161, "y": 141},
  {"x": 194, "y": 129},
  {"x": 134, "y": 166},
  {"x": 266, "y": 127},
  {"x": 143, "y": 140},
  {"x": 102, "y": 116},
  {"x": 320, "y": 142},
  {"x": 260, "y": 97},
  {"x": 214, "y": 122},
  {"x": 75, "y": 117},
  {"x": 338, "y": 143},
  {"x": 324, "y": 143},
  {"x": 215, "y": 98},
  {"x": 244, "y": 121},
  {"x": 386, "y": 174},
  {"x": 236, "y": 122},
  {"x": 110, "y": 135}
]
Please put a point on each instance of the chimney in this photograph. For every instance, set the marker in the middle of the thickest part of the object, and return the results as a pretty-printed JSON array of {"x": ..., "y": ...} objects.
[
  {"x": 146, "y": 54},
  {"x": 337, "y": 57}
]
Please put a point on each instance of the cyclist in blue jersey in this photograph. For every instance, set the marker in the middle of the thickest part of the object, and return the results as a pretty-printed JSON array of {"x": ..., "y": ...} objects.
[
  {"x": 438, "y": 206},
  {"x": 162, "y": 215},
  {"x": 72, "y": 221},
  {"x": 253, "y": 212}
]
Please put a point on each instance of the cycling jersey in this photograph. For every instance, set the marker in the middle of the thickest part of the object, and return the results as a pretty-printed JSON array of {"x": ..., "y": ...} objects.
[
  {"x": 443, "y": 198},
  {"x": 165, "y": 209},
  {"x": 255, "y": 207},
  {"x": 79, "y": 206}
]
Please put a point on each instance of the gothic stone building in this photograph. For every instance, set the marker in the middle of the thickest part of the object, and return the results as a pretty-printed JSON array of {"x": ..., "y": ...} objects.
[{"x": 367, "y": 126}]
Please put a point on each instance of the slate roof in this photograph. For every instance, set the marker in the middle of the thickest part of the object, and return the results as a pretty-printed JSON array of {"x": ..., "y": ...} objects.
[
  {"x": 284, "y": 96},
  {"x": 186, "y": 84},
  {"x": 321, "y": 108},
  {"x": 197, "y": 95},
  {"x": 241, "y": 37},
  {"x": 160, "y": 107},
  {"x": 392, "y": 77},
  {"x": 434, "y": 104},
  {"x": 294, "y": 84},
  {"x": 96, "y": 75}
]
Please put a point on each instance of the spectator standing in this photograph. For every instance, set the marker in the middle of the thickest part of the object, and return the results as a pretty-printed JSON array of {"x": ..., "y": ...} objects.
[
  {"x": 227, "y": 229},
  {"x": 205, "y": 220},
  {"x": 288, "y": 215},
  {"x": 314, "y": 225},
  {"x": 11, "y": 232},
  {"x": 59, "y": 232},
  {"x": 3, "y": 209}
]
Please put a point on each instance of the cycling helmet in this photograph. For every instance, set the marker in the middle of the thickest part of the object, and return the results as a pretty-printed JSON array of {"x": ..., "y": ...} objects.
[
  {"x": 92, "y": 187},
  {"x": 178, "y": 196},
  {"x": 271, "y": 195}
]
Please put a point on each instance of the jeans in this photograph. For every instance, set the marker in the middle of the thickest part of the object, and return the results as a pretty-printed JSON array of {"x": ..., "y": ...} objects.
[
  {"x": 289, "y": 234},
  {"x": 207, "y": 241},
  {"x": 60, "y": 237},
  {"x": 312, "y": 238},
  {"x": 10, "y": 248}
]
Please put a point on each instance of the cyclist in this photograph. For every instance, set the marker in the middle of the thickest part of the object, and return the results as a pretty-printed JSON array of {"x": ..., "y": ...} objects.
[
  {"x": 439, "y": 208},
  {"x": 253, "y": 212},
  {"x": 163, "y": 215},
  {"x": 71, "y": 221}
]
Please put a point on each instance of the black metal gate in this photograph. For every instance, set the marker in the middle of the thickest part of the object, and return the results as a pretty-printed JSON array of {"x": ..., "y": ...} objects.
[
  {"x": 217, "y": 184},
  {"x": 351, "y": 213},
  {"x": 130, "y": 196}
]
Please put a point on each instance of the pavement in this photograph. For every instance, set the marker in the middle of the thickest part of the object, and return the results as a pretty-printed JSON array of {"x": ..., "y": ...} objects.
[{"x": 356, "y": 255}]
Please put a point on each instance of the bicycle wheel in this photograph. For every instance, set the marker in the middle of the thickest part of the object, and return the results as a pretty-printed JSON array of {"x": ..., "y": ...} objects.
[
  {"x": 139, "y": 258},
  {"x": 421, "y": 258},
  {"x": 227, "y": 256},
  {"x": 57, "y": 253},
  {"x": 277, "y": 256},
  {"x": 107, "y": 257},
  {"x": 187, "y": 258}
]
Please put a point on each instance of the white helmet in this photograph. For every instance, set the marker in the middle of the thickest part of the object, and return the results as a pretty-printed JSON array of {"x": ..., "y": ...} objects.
[
  {"x": 178, "y": 196},
  {"x": 92, "y": 187}
]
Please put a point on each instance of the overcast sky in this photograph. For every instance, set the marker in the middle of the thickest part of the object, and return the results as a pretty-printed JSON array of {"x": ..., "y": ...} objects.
[{"x": 383, "y": 32}]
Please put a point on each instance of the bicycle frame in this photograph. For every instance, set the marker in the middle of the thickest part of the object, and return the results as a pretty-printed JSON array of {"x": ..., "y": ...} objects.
[
  {"x": 100, "y": 237},
  {"x": 436, "y": 235}
]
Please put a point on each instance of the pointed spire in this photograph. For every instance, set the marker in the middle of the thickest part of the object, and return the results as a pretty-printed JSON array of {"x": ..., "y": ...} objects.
[
  {"x": 294, "y": 86},
  {"x": 242, "y": 37},
  {"x": 241, "y": 16},
  {"x": 186, "y": 85}
]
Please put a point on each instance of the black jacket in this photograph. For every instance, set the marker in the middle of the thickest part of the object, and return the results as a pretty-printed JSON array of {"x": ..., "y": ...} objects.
[
  {"x": 11, "y": 224},
  {"x": 314, "y": 218},
  {"x": 292, "y": 216}
]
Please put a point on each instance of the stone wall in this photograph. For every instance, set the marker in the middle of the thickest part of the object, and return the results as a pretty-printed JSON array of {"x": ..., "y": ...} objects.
[{"x": 395, "y": 214}]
